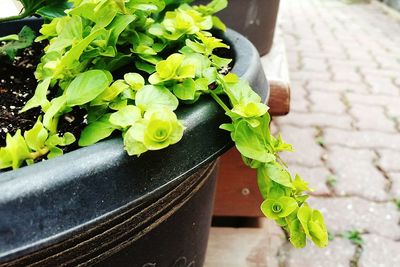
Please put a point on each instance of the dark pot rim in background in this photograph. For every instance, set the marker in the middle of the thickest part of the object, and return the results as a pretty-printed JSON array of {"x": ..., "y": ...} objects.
[
  {"x": 43, "y": 204},
  {"x": 255, "y": 19}
]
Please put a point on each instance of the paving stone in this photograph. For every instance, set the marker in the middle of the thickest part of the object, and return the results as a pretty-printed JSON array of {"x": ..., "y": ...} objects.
[
  {"x": 353, "y": 213},
  {"x": 303, "y": 119},
  {"x": 388, "y": 62},
  {"x": 294, "y": 63},
  {"x": 338, "y": 254},
  {"x": 356, "y": 173},
  {"x": 302, "y": 46},
  {"x": 307, "y": 151},
  {"x": 362, "y": 55},
  {"x": 387, "y": 73},
  {"x": 395, "y": 187},
  {"x": 372, "y": 79},
  {"x": 314, "y": 64},
  {"x": 389, "y": 160},
  {"x": 310, "y": 76},
  {"x": 290, "y": 41},
  {"x": 346, "y": 76},
  {"x": 328, "y": 102},
  {"x": 299, "y": 106},
  {"x": 244, "y": 247},
  {"x": 298, "y": 97},
  {"x": 297, "y": 91},
  {"x": 340, "y": 63},
  {"x": 322, "y": 55},
  {"x": 333, "y": 50},
  {"x": 372, "y": 99},
  {"x": 382, "y": 85},
  {"x": 397, "y": 81},
  {"x": 306, "y": 44},
  {"x": 372, "y": 118},
  {"x": 385, "y": 89},
  {"x": 393, "y": 112},
  {"x": 342, "y": 68},
  {"x": 337, "y": 86},
  {"x": 362, "y": 139},
  {"x": 379, "y": 251},
  {"x": 316, "y": 177}
]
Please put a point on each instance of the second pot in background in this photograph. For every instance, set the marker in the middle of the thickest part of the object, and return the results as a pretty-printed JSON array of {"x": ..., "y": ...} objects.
[{"x": 255, "y": 19}]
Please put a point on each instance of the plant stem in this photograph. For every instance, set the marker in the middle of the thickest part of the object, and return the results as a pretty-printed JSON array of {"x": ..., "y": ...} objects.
[
  {"x": 39, "y": 153},
  {"x": 219, "y": 101}
]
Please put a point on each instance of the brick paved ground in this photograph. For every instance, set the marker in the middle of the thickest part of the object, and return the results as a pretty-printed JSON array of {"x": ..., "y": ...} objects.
[{"x": 345, "y": 120}]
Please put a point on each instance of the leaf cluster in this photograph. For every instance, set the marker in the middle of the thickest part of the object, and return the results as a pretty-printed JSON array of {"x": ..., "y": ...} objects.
[
  {"x": 35, "y": 143},
  {"x": 16, "y": 42},
  {"x": 166, "y": 54},
  {"x": 284, "y": 196}
]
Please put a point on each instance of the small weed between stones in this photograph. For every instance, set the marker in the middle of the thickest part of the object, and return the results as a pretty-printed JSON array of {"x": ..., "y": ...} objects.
[
  {"x": 397, "y": 202},
  {"x": 331, "y": 180},
  {"x": 319, "y": 137},
  {"x": 320, "y": 141},
  {"x": 354, "y": 236},
  {"x": 331, "y": 236}
]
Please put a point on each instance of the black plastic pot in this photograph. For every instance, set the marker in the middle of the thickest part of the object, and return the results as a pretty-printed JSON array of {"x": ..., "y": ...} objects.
[
  {"x": 98, "y": 206},
  {"x": 255, "y": 19}
]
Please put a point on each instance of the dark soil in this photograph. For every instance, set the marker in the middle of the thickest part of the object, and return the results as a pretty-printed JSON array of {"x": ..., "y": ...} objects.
[{"x": 17, "y": 86}]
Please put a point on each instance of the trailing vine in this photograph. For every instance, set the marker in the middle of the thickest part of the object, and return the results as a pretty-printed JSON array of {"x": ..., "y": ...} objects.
[{"x": 170, "y": 52}]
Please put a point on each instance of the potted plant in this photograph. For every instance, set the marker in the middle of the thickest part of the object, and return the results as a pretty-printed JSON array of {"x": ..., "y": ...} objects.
[
  {"x": 254, "y": 19},
  {"x": 113, "y": 68}
]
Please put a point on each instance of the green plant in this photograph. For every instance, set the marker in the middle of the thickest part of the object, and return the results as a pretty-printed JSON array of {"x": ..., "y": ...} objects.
[
  {"x": 171, "y": 51},
  {"x": 397, "y": 203},
  {"x": 331, "y": 236},
  {"x": 16, "y": 42},
  {"x": 354, "y": 236}
]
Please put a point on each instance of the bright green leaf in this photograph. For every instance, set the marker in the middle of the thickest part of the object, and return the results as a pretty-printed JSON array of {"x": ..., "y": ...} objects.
[
  {"x": 96, "y": 131},
  {"x": 135, "y": 80},
  {"x": 36, "y": 137},
  {"x": 86, "y": 87},
  {"x": 250, "y": 143},
  {"x": 278, "y": 208},
  {"x": 55, "y": 152},
  {"x": 152, "y": 97},
  {"x": 185, "y": 90},
  {"x": 126, "y": 116},
  {"x": 278, "y": 174}
]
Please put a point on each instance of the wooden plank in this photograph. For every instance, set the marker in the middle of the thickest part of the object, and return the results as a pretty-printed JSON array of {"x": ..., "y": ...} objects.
[
  {"x": 237, "y": 189},
  {"x": 279, "y": 99}
]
